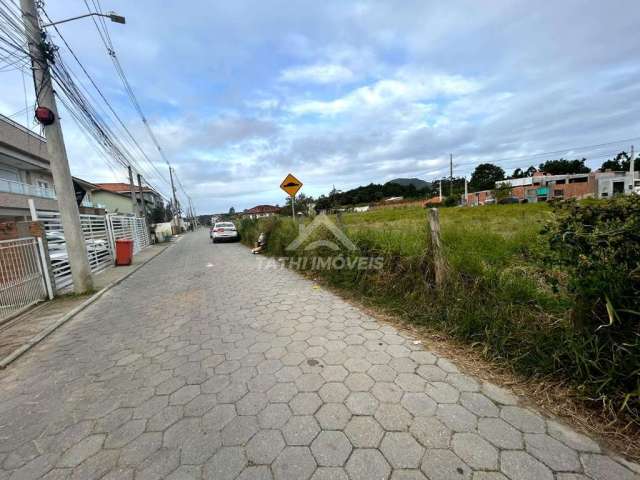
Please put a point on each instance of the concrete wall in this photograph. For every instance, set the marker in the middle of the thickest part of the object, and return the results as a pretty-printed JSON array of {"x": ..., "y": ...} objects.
[{"x": 20, "y": 142}]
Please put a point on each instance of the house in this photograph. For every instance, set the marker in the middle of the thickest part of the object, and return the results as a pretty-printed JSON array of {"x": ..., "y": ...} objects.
[
  {"x": 152, "y": 199},
  {"x": 25, "y": 174},
  {"x": 542, "y": 187},
  {"x": 113, "y": 202},
  {"x": 261, "y": 211}
]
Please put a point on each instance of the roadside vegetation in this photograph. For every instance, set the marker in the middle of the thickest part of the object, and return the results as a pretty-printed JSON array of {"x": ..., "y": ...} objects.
[{"x": 549, "y": 290}]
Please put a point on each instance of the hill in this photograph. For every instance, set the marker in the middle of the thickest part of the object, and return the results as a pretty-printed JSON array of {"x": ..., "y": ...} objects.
[{"x": 416, "y": 182}]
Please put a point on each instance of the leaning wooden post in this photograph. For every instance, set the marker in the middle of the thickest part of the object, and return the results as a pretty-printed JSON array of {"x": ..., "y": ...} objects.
[{"x": 436, "y": 246}]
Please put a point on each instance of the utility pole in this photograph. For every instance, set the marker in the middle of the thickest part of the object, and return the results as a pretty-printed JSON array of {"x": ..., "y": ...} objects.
[
  {"x": 143, "y": 210},
  {"x": 632, "y": 170},
  {"x": 193, "y": 223},
  {"x": 60, "y": 171},
  {"x": 173, "y": 191},
  {"x": 451, "y": 174},
  {"x": 132, "y": 191}
]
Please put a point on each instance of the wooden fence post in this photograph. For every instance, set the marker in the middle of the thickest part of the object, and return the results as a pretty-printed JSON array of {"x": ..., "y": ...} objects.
[{"x": 438, "y": 256}]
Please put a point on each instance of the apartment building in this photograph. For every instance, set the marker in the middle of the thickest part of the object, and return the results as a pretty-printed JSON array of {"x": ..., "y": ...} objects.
[{"x": 25, "y": 174}]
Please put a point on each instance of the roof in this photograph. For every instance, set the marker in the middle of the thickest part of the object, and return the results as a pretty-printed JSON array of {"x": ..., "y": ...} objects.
[
  {"x": 263, "y": 209},
  {"x": 119, "y": 187}
]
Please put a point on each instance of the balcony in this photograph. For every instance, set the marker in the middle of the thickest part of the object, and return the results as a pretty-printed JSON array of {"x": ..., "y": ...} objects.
[{"x": 11, "y": 186}]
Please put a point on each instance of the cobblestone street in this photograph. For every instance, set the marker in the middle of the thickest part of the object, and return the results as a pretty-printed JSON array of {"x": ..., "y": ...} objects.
[{"x": 201, "y": 365}]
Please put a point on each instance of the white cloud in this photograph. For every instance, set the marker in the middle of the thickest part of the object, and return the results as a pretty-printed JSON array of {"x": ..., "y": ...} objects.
[
  {"x": 318, "y": 73},
  {"x": 405, "y": 87}
]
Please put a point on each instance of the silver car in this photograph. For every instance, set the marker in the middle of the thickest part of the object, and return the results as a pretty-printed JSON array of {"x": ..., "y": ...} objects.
[{"x": 222, "y": 231}]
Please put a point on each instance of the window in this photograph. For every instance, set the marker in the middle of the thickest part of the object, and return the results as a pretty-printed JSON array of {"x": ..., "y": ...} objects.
[
  {"x": 618, "y": 187},
  {"x": 43, "y": 184},
  {"x": 558, "y": 193}
]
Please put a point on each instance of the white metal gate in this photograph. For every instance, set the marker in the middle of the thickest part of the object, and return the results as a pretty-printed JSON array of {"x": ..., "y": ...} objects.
[
  {"x": 100, "y": 235},
  {"x": 129, "y": 228},
  {"x": 96, "y": 237},
  {"x": 21, "y": 275}
]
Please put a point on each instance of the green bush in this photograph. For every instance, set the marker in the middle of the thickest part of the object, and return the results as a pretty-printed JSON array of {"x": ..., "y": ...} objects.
[{"x": 597, "y": 243}]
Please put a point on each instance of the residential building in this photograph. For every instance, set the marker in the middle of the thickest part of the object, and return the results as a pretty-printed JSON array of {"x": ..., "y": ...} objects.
[
  {"x": 25, "y": 174},
  {"x": 113, "y": 202},
  {"x": 261, "y": 211},
  {"x": 542, "y": 187},
  {"x": 152, "y": 199}
]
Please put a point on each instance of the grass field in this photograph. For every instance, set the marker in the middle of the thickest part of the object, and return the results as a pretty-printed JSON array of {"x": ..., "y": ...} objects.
[{"x": 500, "y": 294}]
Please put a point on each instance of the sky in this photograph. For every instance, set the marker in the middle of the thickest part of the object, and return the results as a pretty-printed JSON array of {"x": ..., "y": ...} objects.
[{"x": 346, "y": 93}]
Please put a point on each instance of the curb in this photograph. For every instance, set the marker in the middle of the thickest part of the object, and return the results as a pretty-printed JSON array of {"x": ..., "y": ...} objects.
[{"x": 33, "y": 341}]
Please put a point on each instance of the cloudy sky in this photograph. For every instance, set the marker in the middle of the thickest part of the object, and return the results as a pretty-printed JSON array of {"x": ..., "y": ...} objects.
[{"x": 350, "y": 92}]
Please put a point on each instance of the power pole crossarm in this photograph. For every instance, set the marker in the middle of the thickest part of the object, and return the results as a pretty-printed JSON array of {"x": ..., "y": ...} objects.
[{"x": 60, "y": 171}]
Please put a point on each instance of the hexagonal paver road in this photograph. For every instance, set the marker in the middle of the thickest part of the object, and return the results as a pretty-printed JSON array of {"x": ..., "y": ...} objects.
[{"x": 207, "y": 365}]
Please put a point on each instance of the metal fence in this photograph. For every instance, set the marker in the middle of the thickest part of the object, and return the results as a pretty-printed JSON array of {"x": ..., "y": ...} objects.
[
  {"x": 130, "y": 228},
  {"x": 21, "y": 275},
  {"x": 100, "y": 234}
]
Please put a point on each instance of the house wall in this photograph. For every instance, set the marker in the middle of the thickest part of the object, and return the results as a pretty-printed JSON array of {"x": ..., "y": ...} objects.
[
  {"x": 112, "y": 201},
  {"x": 479, "y": 198}
]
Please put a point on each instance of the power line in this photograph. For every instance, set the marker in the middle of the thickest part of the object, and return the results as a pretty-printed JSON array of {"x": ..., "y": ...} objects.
[{"x": 85, "y": 114}]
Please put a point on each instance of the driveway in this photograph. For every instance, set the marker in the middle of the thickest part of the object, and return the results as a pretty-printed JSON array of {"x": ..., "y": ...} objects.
[{"x": 202, "y": 365}]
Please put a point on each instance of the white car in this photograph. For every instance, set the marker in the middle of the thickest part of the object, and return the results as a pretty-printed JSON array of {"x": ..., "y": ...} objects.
[{"x": 224, "y": 231}]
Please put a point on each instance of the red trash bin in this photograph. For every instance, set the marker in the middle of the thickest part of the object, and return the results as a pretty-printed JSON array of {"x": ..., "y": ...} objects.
[{"x": 124, "y": 252}]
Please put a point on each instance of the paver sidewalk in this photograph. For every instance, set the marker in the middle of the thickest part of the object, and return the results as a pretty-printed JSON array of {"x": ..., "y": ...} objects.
[
  {"x": 204, "y": 366},
  {"x": 20, "y": 330}
]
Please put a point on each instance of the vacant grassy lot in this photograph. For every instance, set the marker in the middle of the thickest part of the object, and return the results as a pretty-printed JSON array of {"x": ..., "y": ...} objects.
[{"x": 501, "y": 296}]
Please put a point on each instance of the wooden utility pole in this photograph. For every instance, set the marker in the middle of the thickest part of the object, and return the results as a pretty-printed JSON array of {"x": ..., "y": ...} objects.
[
  {"x": 143, "y": 210},
  {"x": 439, "y": 264},
  {"x": 60, "y": 171}
]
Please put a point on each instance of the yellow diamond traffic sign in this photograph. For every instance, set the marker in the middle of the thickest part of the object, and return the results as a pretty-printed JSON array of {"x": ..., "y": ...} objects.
[{"x": 291, "y": 185}]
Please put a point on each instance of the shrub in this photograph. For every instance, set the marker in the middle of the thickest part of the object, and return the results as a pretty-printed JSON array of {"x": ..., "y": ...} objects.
[{"x": 597, "y": 243}]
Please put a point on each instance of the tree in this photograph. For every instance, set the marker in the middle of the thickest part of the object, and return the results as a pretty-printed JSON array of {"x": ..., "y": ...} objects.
[
  {"x": 502, "y": 191},
  {"x": 158, "y": 214},
  {"x": 485, "y": 176},
  {"x": 519, "y": 173},
  {"x": 168, "y": 213},
  {"x": 303, "y": 203},
  {"x": 564, "y": 167},
  {"x": 620, "y": 163}
]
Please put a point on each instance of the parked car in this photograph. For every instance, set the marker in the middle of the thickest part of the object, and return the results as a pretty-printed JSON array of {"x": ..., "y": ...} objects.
[
  {"x": 508, "y": 200},
  {"x": 222, "y": 231}
]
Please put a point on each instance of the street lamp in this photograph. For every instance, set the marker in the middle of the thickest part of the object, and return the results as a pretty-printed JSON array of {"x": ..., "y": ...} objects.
[{"x": 113, "y": 16}]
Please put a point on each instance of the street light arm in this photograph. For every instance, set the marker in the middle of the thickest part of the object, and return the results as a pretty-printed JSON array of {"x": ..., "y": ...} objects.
[{"x": 111, "y": 15}]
